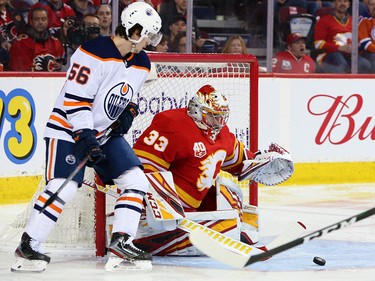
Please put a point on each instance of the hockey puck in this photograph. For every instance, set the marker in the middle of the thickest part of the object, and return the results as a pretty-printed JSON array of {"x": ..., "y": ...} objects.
[{"x": 319, "y": 261}]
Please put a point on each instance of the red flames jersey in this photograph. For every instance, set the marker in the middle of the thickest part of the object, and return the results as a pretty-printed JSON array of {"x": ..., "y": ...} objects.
[
  {"x": 28, "y": 55},
  {"x": 173, "y": 142},
  {"x": 329, "y": 33},
  {"x": 55, "y": 15},
  {"x": 286, "y": 62}
]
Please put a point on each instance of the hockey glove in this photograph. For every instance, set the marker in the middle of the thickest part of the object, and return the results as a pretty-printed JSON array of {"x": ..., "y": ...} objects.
[
  {"x": 269, "y": 167},
  {"x": 87, "y": 145},
  {"x": 125, "y": 120}
]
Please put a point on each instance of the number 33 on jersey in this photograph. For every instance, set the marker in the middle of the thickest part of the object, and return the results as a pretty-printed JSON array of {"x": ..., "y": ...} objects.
[{"x": 174, "y": 142}]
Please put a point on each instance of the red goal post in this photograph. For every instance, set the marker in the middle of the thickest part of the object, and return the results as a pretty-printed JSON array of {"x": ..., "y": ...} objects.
[{"x": 174, "y": 78}]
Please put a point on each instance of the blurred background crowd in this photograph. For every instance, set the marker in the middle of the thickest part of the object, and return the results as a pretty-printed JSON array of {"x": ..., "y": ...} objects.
[{"x": 307, "y": 36}]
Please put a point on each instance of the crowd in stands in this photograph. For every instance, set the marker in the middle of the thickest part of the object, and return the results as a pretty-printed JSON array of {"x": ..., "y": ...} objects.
[{"x": 42, "y": 35}]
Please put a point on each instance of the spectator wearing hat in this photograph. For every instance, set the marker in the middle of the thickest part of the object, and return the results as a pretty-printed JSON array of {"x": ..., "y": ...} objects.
[{"x": 294, "y": 59}]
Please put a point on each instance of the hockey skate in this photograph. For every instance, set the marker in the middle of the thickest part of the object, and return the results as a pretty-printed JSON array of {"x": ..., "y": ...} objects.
[
  {"x": 29, "y": 257},
  {"x": 122, "y": 249}
]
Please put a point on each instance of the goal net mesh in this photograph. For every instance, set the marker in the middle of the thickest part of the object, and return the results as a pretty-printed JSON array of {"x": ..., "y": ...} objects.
[{"x": 172, "y": 82}]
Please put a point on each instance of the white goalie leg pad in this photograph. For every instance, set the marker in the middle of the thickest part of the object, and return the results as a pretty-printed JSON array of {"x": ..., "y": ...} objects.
[
  {"x": 248, "y": 222},
  {"x": 221, "y": 202},
  {"x": 166, "y": 225},
  {"x": 229, "y": 220},
  {"x": 163, "y": 205}
]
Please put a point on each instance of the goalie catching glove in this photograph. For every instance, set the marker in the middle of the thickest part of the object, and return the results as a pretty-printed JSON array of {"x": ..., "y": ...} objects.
[{"x": 271, "y": 167}]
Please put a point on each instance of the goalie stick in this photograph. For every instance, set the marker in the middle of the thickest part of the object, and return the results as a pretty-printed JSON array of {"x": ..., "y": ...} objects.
[
  {"x": 243, "y": 249},
  {"x": 209, "y": 246}
]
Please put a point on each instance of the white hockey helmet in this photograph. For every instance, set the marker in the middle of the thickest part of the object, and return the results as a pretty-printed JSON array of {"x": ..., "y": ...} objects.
[
  {"x": 210, "y": 111},
  {"x": 143, "y": 14}
]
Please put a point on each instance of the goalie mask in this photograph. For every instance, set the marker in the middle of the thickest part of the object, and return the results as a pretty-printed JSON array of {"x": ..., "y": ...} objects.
[
  {"x": 210, "y": 111},
  {"x": 143, "y": 14}
]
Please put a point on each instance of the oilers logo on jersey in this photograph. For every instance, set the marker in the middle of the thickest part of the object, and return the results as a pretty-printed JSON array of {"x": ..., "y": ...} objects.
[{"x": 117, "y": 99}]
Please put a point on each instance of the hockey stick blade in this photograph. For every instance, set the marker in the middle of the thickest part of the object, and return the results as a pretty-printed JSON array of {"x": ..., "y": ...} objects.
[
  {"x": 238, "y": 261},
  {"x": 222, "y": 240},
  {"x": 211, "y": 247}
]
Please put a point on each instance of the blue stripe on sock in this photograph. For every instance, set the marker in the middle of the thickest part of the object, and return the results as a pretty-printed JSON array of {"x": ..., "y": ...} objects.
[
  {"x": 46, "y": 213},
  {"x": 127, "y": 206}
]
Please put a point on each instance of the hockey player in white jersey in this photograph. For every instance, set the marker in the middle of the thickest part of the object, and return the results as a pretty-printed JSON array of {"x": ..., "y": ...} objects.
[{"x": 104, "y": 74}]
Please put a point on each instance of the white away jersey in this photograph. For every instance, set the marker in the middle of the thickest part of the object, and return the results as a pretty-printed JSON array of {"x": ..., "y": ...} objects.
[{"x": 98, "y": 86}]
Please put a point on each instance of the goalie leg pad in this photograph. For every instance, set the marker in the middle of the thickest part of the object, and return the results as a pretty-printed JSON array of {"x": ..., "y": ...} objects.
[
  {"x": 176, "y": 242},
  {"x": 250, "y": 225}
]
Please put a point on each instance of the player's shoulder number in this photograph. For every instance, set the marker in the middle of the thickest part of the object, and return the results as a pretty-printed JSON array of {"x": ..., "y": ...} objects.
[{"x": 79, "y": 73}]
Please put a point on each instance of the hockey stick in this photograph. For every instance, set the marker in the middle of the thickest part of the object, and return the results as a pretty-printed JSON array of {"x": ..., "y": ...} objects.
[
  {"x": 209, "y": 246},
  {"x": 74, "y": 173},
  {"x": 243, "y": 249}
]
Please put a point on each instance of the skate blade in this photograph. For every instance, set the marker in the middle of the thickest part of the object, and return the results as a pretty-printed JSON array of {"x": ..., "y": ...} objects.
[
  {"x": 23, "y": 265},
  {"x": 119, "y": 264}
]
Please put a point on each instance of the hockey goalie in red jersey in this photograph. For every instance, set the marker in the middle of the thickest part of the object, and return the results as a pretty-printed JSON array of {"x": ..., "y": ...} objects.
[{"x": 195, "y": 144}]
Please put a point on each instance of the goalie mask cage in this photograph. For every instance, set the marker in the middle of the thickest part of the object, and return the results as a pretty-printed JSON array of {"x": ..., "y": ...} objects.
[{"x": 173, "y": 80}]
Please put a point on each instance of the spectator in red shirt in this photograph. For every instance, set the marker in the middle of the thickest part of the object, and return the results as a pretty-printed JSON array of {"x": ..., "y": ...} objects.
[
  {"x": 294, "y": 59},
  {"x": 57, "y": 11},
  {"x": 36, "y": 50},
  {"x": 11, "y": 24},
  {"x": 333, "y": 39}
]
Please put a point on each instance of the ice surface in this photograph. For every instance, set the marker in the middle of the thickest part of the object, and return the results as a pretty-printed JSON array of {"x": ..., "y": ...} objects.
[{"x": 350, "y": 252}]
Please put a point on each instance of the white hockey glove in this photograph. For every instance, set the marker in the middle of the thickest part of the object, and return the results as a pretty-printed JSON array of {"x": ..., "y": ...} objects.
[{"x": 271, "y": 167}]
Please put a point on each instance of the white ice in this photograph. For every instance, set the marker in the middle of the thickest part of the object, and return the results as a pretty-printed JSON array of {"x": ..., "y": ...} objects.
[{"x": 349, "y": 252}]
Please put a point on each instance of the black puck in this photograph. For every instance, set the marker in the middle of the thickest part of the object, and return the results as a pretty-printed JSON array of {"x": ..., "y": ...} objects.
[{"x": 319, "y": 261}]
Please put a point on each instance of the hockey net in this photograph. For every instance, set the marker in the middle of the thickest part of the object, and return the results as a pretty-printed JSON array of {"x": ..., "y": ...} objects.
[{"x": 172, "y": 82}]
